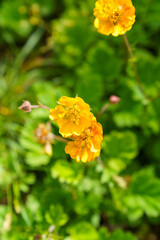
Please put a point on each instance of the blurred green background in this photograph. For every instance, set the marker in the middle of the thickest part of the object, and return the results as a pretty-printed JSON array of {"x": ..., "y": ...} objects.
[{"x": 51, "y": 49}]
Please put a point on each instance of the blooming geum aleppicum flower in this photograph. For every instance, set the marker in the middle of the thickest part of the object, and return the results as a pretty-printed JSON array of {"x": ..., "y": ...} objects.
[
  {"x": 86, "y": 147},
  {"x": 114, "y": 17},
  {"x": 76, "y": 122},
  {"x": 72, "y": 116}
]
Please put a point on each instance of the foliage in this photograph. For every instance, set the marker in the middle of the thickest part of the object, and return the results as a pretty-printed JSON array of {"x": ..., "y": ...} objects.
[{"x": 51, "y": 49}]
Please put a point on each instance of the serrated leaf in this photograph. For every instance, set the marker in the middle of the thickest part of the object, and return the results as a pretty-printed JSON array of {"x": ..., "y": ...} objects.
[
  {"x": 66, "y": 171},
  {"x": 120, "y": 145},
  {"x": 37, "y": 159},
  {"x": 85, "y": 81},
  {"x": 103, "y": 61},
  {"x": 83, "y": 231},
  {"x": 120, "y": 235},
  {"x": 144, "y": 193},
  {"x": 56, "y": 215},
  {"x": 148, "y": 70}
]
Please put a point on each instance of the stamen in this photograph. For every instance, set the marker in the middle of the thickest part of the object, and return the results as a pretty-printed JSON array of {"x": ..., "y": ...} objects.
[{"x": 115, "y": 17}]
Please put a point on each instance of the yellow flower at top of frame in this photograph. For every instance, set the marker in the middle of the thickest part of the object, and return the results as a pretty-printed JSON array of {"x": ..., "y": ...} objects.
[
  {"x": 72, "y": 116},
  {"x": 114, "y": 16},
  {"x": 86, "y": 147}
]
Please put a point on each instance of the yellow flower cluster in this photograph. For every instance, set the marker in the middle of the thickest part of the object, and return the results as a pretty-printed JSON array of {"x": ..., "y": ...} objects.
[
  {"x": 114, "y": 17},
  {"x": 77, "y": 123}
]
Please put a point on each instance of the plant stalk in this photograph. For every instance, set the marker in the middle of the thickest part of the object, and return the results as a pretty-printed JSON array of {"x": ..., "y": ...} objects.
[{"x": 133, "y": 65}]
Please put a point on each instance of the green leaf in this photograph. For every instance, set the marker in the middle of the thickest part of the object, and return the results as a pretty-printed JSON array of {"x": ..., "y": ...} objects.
[
  {"x": 116, "y": 164},
  {"x": 104, "y": 62},
  {"x": 6, "y": 177},
  {"x": 25, "y": 216},
  {"x": 85, "y": 202},
  {"x": 120, "y": 235},
  {"x": 144, "y": 193},
  {"x": 12, "y": 19},
  {"x": 37, "y": 159},
  {"x": 48, "y": 94},
  {"x": 29, "y": 45},
  {"x": 3, "y": 212},
  {"x": 73, "y": 36},
  {"x": 153, "y": 115},
  {"x": 85, "y": 81},
  {"x": 130, "y": 109},
  {"x": 83, "y": 231},
  {"x": 148, "y": 70},
  {"x": 120, "y": 145},
  {"x": 56, "y": 215},
  {"x": 65, "y": 171}
]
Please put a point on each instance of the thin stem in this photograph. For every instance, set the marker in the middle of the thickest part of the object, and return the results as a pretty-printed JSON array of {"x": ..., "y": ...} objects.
[
  {"x": 35, "y": 106},
  {"x": 100, "y": 161},
  {"x": 27, "y": 107},
  {"x": 42, "y": 106},
  {"x": 61, "y": 139},
  {"x": 9, "y": 197},
  {"x": 106, "y": 106},
  {"x": 133, "y": 65}
]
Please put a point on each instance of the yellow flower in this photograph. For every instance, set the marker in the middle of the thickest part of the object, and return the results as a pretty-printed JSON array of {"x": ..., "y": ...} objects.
[
  {"x": 86, "y": 147},
  {"x": 72, "y": 116},
  {"x": 114, "y": 17}
]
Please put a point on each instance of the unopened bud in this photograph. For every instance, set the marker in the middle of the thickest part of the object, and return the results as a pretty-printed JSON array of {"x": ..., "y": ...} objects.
[
  {"x": 26, "y": 106},
  {"x": 114, "y": 99}
]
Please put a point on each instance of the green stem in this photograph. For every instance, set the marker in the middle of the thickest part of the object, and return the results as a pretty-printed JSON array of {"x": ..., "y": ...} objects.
[
  {"x": 133, "y": 65},
  {"x": 9, "y": 197}
]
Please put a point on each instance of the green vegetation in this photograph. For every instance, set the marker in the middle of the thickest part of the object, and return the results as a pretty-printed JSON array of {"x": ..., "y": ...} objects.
[{"x": 51, "y": 49}]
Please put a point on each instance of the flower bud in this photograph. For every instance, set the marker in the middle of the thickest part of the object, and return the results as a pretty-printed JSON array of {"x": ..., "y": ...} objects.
[
  {"x": 26, "y": 106},
  {"x": 114, "y": 99}
]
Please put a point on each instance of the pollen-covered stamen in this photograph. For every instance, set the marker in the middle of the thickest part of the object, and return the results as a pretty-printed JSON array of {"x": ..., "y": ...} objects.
[
  {"x": 115, "y": 17},
  {"x": 73, "y": 114},
  {"x": 87, "y": 138}
]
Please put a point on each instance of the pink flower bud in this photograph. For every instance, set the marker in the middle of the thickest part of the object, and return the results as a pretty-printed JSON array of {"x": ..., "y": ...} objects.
[
  {"x": 26, "y": 106},
  {"x": 114, "y": 99}
]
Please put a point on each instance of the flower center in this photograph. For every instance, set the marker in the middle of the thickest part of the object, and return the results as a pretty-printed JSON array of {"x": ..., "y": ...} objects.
[
  {"x": 115, "y": 17},
  {"x": 72, "y": 114}
]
